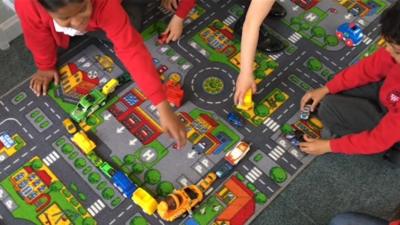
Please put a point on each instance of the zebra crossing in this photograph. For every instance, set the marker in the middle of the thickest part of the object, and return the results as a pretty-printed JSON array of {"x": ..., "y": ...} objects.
[
  {"x": 271, "y": 124},
  {"x": 96, "y": 207},
  {"x": 276, "y": 56},
  {"x": 253, "y": 174},
  {"x": 229, "y": 20},
  {"x": 367, "y": 40},
  {"x": 51, "y": 158},
  {"x": 276, "y": 153},
  {"x": 295, "y": 37}
]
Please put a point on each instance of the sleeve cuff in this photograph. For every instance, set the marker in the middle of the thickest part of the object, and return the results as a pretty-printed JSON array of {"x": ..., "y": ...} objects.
[
  {"x": 336, "y": 146},
  {"x": 157, "y": 97}
]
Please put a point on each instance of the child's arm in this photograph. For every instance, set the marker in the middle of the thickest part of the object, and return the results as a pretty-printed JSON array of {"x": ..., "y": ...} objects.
[
  {"x": 130, "y": 48},
  {"x": 175, "y": 26},
  {"x": 377, "y": 140},
  {"x": 255, "y": 16},
  {"x": 369, "y": 70},
  {"x": 38, "y": 39}
]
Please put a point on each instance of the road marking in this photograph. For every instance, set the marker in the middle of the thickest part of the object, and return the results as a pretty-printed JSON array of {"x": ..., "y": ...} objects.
[
  {"x": 291, "y": 165},
  {"x": 56, "y": 131},
  {"x": 270, "y": 189},
  {"x": 248, "y": 130},
  {"x": 33, "y": 148},
  {"x": 30, "y": 136},
  {"x": 245, "y": 167},
  {"x": 22, "y": 109},
  {"x": 30, "y": 103},
  {"x": 112, "y": 221},
  {"x": 261, "y": 182},
  {"x": 15, "y": 161},
  {"x": 7, "y": 167},
  {"x": 23, "y": 155},
  {"x": 129, "y": 207},
  {"x": 48, "y": 137},
  {"x": 91, "y": 212},
  {"x": 6, "y": 108},
  {"x": 121, "y": 214}
]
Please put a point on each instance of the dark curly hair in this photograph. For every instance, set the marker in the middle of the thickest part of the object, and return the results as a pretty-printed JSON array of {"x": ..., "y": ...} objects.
[
  {"x": 54, "y": 5},
  {"x": 390, "y": 21}
]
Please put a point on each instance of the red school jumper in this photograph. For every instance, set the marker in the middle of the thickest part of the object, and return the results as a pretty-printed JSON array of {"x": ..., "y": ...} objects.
[
  {"x": 43, "y": 40},
  {"x": 377, "y": 67}
]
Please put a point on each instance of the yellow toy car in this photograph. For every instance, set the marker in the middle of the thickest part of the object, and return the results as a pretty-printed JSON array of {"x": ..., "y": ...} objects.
[
  {"x": 206, "y": 183},
  {"x": 247, "y": 103},
  {"x": 145, "y": 201},
  {"x": 83, "y": 142},
  {"x": 110, "y": 86},
  {"x": 69, "y": 126}
]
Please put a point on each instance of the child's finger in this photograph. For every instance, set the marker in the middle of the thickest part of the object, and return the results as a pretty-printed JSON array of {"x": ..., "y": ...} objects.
[
  {"x": 56, "y": 78},
  {"x": 174, "y": 5},
  {"x": 44, "y": 88},
  {"x": 170, "y": 36},
  {"x": 308, "y": 139}
]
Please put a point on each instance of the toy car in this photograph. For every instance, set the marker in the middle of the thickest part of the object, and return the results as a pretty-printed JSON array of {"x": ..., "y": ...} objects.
[
  {"x": 224, "y": 170},
  {"x": 305, "y": 112},
  {"x": 83, "y": 142},
  {"x": 162, "y": 69},
  {"x": 237, "y": 153},
  {"x": 143, "y": 199},
  {"x": 110, "y": 86},
  {"x": 69, "y": 126},
  {"x": 235, "y": 119},
  {"x": 350, "y": 33},
  {"x": 88, "y": 104},
  {"x": 206, "y": 183},
  {"x": 162, "y": 39},
  {"x": 123, "y": 184}
]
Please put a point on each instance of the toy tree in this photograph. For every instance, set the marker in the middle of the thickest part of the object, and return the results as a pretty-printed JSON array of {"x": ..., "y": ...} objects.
[
  {"x": 129, "y": 159},
  {"x": 137, "y": 168},
  {"x": 287, "y": 129},
  {"x": 278, "y": 174},
  {"x": 56, "y": 186},
  {"x": 37, "y": 164},
  {"x": 108, "y": 193},
  {"x": 318, "y": 32},
  {"x": 331, "y": 40},
  {"x": 260, "y": 198},
  {"x": 261, "y": 110},
  {"x": 79, "y": 163},
  {"x": 280, "y": 97},
  {"x": 138, "y": 220},
  {"x": 94, "y": 178},
  {"x": 165, "y": 188},
  {"x": 152, "y": 176},
  {"x": 314, "y": 64}
]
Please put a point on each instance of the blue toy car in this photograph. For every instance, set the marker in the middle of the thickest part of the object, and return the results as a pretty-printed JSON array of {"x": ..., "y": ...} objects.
[
  {"x": 123, "y": 184},
  {"x": 350, "y": 33},
  {"x": 224, "y": 170},
  {"x": 235, "y": 120}
]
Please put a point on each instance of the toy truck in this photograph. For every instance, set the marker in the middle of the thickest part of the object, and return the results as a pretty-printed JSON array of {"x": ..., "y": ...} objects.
[
  {"x": 179, "y": 202},
  {"x": 88, "y": 104}
]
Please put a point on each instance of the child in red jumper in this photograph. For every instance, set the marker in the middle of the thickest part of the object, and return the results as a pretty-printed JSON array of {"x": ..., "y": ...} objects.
[
  {"x": 49, "y": 24},
  {"x": 364, "y": 106}
]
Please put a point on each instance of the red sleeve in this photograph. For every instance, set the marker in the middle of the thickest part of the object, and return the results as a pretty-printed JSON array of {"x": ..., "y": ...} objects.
[
  {"x": 397, "y": 222},
  {"x": 130, "y": 49},
  {"x": 38, "y": 37},
  {"x": 184, "y": 8},
  {"x": 369, "y": 70},
  {"x": 377, "y": 140}
]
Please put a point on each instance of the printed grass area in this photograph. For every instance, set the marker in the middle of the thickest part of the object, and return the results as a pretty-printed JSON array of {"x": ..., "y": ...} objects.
[{"x": 208, "y": 211}]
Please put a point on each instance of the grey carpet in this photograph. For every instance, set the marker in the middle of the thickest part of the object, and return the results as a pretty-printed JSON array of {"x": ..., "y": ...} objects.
[{"x": 331, "y": 184}]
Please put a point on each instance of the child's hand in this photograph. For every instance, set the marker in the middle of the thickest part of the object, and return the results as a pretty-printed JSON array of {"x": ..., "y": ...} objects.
[
  {"x": 315, "y": 96},
  {"x": 170, "y": 5},
  {"x": 315, "y": 146},
  {"x": 171, "y": 124},
  {"x": 41, "y": 79},
  {"x": 174, "y": 29},
  {"x": 244, "y": 82}
]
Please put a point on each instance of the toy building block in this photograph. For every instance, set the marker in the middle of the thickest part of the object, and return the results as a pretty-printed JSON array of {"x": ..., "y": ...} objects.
[
  {"x": 248, "y": 103},
  {"x": 175, "y": 93}
]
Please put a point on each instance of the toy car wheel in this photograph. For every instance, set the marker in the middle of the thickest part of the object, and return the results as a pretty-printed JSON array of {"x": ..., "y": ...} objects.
[
  {"x": 339, "y": 35},
  {"x": 349, "y": 43}
]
